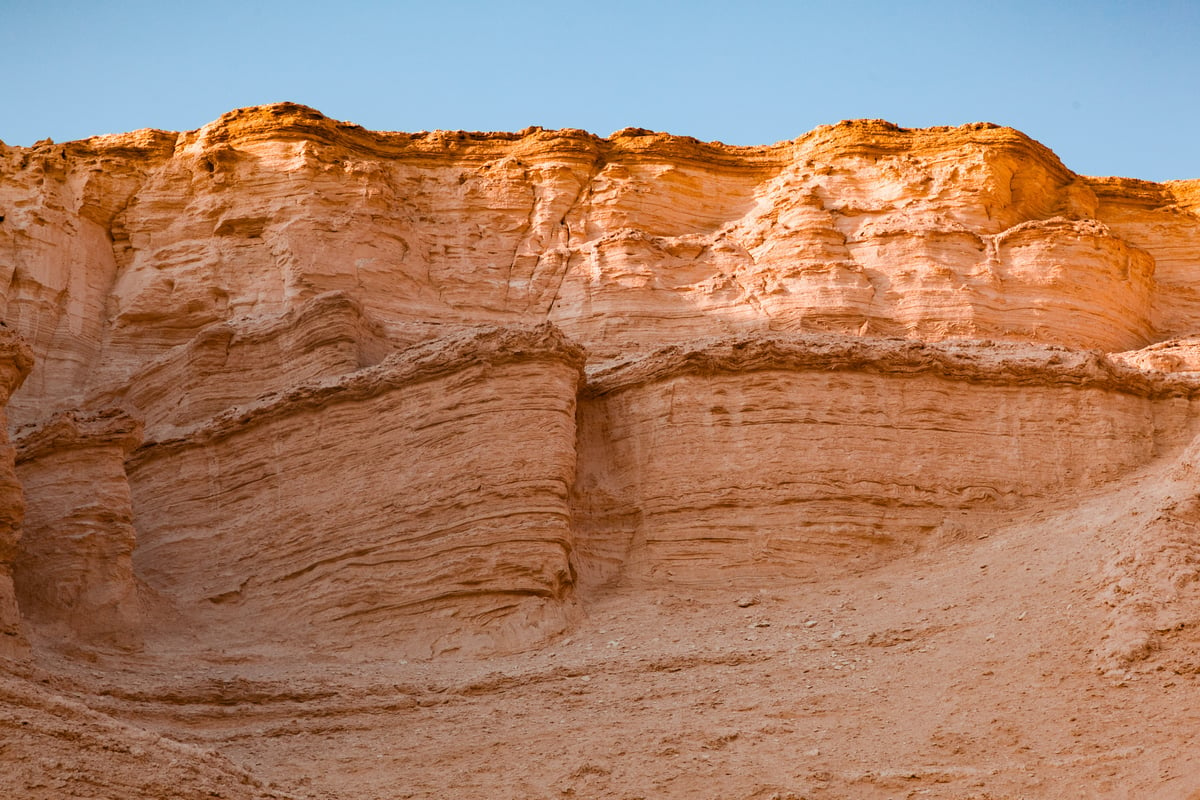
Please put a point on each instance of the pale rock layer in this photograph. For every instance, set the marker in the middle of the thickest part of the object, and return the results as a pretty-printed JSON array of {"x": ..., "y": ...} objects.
[
  {"x": 124, "y": 247},
  {"x": 229, "y": 364}
]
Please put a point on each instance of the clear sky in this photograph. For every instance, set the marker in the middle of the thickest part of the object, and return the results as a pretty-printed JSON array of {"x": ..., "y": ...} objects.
[{"x": 1112, "y": 87}]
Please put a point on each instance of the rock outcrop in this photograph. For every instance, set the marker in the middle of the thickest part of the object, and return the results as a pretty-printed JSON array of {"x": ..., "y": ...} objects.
[
  {"x": 55, "y": 747},
  {"x": 229, "y": 364},
  {"x": 784, "y": 456},
  {"x": 237, "y": 291},
  {"x": 123, "y": 248},
  {"x": 295, "y": 392}
]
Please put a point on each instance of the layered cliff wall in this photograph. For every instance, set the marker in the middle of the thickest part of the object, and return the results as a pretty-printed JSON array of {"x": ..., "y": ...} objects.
[
  {"x": 797, "y": 456},
  {"x": 426, "y": 389},
  {"x": 120, "y": 248},
  {"x": 419, "y": 505},
  {"x": 73, "y": 571}
]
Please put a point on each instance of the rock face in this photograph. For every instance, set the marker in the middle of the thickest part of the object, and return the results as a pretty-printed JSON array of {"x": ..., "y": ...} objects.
[
  {"x": 227, "y": 364},
  {"x": 74, "y": 564},
  {"x": 237, "y": 291},
  {"x": 358, "y": 508},
  {"x": 123, "y": 248},
  {"x": 778, "y": 456},
  {"x": 282, "y": 385},
  {"x": 15, "y": 363}
]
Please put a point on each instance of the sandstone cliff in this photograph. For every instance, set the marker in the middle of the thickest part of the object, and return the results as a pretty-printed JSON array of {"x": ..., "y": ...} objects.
[
  {"x": 122, "y": 248},
  {"x": 283, "y": 391}
]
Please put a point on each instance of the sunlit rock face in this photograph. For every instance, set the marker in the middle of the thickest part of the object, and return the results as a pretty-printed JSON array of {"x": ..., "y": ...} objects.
[
  {"x": 124, "y": 248},
  {"x": 298, "y": 380}
]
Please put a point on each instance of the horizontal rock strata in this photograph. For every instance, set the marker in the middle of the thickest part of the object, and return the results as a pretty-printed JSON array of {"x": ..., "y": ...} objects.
[
  {"x": 126, "y": 247},
  {"x": 788, "y": 455},
  {"x": 227, "y": 364},
  {"x": 798, "y": 357},
  {"x": 15, "y": 363},
  {"x": 74, "y": 569},
  {"x": 56, "y": 747},
  {"x": 420, "y": 503}
]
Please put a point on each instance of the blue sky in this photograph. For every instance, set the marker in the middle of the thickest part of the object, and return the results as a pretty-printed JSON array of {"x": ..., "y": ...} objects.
[{"x": 1112, "y": 87}]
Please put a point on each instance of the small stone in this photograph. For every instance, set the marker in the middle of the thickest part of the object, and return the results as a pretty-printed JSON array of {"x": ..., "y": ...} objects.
[
  {"x": 811, "y": 623},
  {"x": 746, "y": 602}
]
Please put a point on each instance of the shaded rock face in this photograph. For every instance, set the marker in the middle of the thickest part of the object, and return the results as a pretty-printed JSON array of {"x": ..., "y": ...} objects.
[
  {"x": 15, "y": 363},
  {"x": 798, "y": 466},
  {"x": 297, "y": 381},
  {"x": 434, "y": 484},
  {"x": 74, "y": 566}
]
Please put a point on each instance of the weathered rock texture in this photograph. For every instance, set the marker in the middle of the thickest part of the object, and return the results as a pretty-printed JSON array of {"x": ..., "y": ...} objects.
[
  {"x": 227, "y": 364},
  {"x": 357, "y": 509},
  {"x": 15, "y": 363},
  {"x": 121, "y": 248},
  {"x": 300, "y": 393},
  {"x": 57, "y": 747},
  {"x": 74, "y": 565},
  {"x": 787, "y": 455},
  {"x": 237, "y": 290}
]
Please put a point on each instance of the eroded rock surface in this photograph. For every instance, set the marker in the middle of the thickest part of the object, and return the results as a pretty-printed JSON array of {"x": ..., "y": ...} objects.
[
  {"x": 319, "y": 437},
  {"x": 431, "y": 488},
  {"x": 801, "y": 455},
  {"x": 74, "y": 566},
  {"x": 124, "y": 247},
  {"x": 15, "y": 363}
]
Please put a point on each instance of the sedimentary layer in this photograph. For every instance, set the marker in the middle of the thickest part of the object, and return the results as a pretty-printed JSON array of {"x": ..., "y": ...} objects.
[
  {"x": 57, "y": 747},
  {"x": 229, "y": 364},
  {"x": 73, "y": 571},
  {"x": 325, "y": 437},
  {"x": 419, "y": 504},
  {"x": 15, "y": 363},
  {"x": 122, "y": 248},
  {"x": 796, "y": 456}
]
